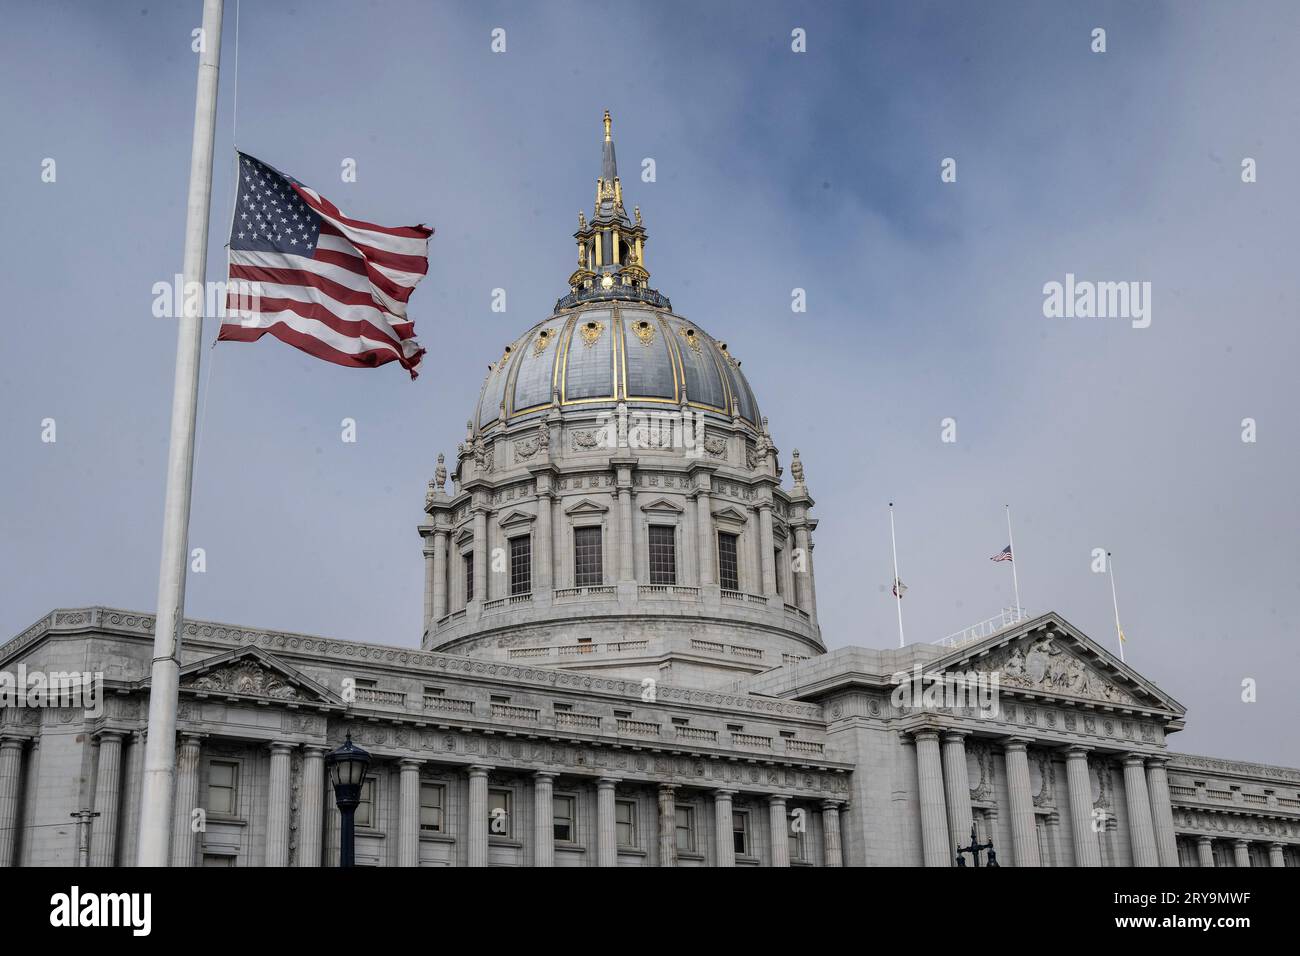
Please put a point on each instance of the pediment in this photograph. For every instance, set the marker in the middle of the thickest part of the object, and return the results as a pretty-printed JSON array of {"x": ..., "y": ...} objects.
[
  {"x": 730, "y": 514},
  {"x": 516, "y": 518},
  {"x": 1049, "y": 657},
  {"x": 250, "y": 672},
  {"x": 586, "y": 506},
  {"x": 663, "y": 505}
]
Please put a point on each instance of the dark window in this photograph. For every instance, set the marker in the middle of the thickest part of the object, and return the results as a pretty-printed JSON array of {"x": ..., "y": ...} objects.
[
  {"x": 521, "y": 565},
  {"x": 587, "y": 567},
  {"x": 433, "y": 803},
  {"x": 740, "y": 833},
  {"x": 562, "y": 819},
  {"x": 468, "y": 560},
  {"x": 625, "y": 822},
  {"x": 728, "y": 569},
  {"x": 663, "y": 554}
]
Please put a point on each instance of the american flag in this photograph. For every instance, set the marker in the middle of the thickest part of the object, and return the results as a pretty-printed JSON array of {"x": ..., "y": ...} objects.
[
  {"x": 334, "y": 287},
  {"x": 1003, "y": 555}
]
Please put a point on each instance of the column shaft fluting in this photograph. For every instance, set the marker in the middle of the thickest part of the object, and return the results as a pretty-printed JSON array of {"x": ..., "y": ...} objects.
[
  {"x": 1241, "y": 853},
  {"x": 667, "y": 826},
  {"x": 1205, "y": 852},
  {"x": 1162, "y": 811},
  {"x": 544, "y": 818},
  {"x": 766, "y": 548},
  {"x": 704, "y": 529},
  {"x": 1087, "y": 851},
  {"x": 184, "y": 835},
  {"x": 476, "y": 841},
  {"x": 778, "y": 828},
  {"x": 956, "y": 786},
  {"x": 1275, "y": 855},
  {"x": 1141, "y": 831},
  {"x": 725, "y": 840},
  {"x": 606, "y": 828},
  {"x": 1024, "y": 832},
  {"x": 277, "y": 806},
  {"x": 11, "y": 766},
  {"x": 108, "y": 789},
  {"x": 831, "y": 843},
  {"x": 439, "y": 576},
  {"x": 311, "y": 808},
  {"x": 626, "y": 568},
  {"x": 934, "y": 813},
  {"x": 408, "y": 825}
]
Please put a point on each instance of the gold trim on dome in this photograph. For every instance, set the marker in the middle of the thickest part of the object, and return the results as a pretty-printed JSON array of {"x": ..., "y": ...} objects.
[
  {"x": 691, "y": 336},
  {"x": 505, "y": 357},
  {"x": 591, "y": 332},
  {"x": 644, "y": 331},
  {"x": 543, "y": 339},
  {"x": 731, "y": 359}
]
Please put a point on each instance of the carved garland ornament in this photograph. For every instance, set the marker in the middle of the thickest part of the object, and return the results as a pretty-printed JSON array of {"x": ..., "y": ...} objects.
[
  {"x": 644, "y": 331},
  {"x": 246, "y": 678},
  {"x": 591, "y": 332},
  {"x": 692, "y": 338}
]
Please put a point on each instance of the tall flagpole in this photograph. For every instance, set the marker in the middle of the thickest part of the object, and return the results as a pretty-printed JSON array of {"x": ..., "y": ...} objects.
[
  {"x": 160, "y": 746},
  {"x": 1015, "y": 578},
  {"x": 898, "y": 596},
  {"x": 1119, "y": 631}
]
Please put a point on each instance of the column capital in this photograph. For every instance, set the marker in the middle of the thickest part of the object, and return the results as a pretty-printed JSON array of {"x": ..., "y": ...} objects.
[
  {"x": 1133, "y": 759},
  {"x": 545, "y": 774},
  {"x": 1077, "y": 751},
  {"x": 314, "y": 750},
  {"x": 410, "y": 763},
  {"x": 192, "y": 741},
  {"x": 1204, "y": 840},
  {"x": 925, "y": 733},
  {"x": 608, "y": 783},
  {"x": 480, "y": 770},
  {"x": 1157, "y": 760},
  {"x": 953, "y": 735},
  {"x": 279, "y": 747},
  {"x": 774, "y": 799},
  {"x": 1016, "y": 744},
  {"x": 1277, "y": 846},
  {"x": 109, "y": 734},
  {"x": 11, "y": 743},
  {"x": 724, "y": 793},
  {"x": 1240, "y": 844},
  {"x": 835, "y": 805}
]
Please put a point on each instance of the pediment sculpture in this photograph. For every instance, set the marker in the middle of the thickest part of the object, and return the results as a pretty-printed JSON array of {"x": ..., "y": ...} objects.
[
  {"x": 1042, "y": 665},
  {"x": 246, "y": 678}
]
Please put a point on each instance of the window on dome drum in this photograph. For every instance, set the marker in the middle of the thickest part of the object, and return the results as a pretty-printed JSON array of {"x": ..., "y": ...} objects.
[
  {"x": 521, "y": 565},
  {"x": 365, "y": 812},
  {"x": 223, "y": 789},
  {"x": 663, "y": 554},
  {"x": 563, "y": 814},
  {"x": 685, "y": 826},
  {"x": 625, "y": 822},
  {"x": 433, "y": 803},
  {"x": 500, "y": 823},
  {"x": 776, "y": 563},
  {"x": 468, "y": 561},
  {"x": 588, "y": 570},
  {"x": 740, "y": 832},
  {"x": 728, "y": 567}
]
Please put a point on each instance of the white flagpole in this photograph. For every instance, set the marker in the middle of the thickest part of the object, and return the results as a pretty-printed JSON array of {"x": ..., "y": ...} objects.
[
  {"x": 160, "y": 747},
  {"x": 1119, "y": 631},
  {"x": 898, "y": 596},
  {"x": 1015, "y": 578}
]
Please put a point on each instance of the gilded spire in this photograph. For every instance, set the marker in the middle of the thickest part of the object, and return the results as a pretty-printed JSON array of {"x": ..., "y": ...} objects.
[{"x": 608, "y": 124}]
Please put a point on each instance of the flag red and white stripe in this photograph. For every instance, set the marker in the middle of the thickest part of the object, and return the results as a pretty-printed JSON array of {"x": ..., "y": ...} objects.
[{"x": 330, "y": 285}]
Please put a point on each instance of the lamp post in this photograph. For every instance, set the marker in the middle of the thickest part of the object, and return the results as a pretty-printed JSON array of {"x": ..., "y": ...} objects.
[
  {"x": 974, "y": 851},
  {"x": 347, "y": 769}
]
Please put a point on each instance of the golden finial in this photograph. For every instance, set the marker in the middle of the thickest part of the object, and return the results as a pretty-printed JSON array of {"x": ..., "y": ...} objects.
[
  {"x": 637, "y": 209},
  {"x": 582, "y": 220},
  {"x": 607, "y": 125}
]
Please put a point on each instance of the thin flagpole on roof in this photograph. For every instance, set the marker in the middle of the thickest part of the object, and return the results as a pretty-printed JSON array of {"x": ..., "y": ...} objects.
[
  {"x": 898, "y": 585},
  {"x": 1119, "y": 631}
]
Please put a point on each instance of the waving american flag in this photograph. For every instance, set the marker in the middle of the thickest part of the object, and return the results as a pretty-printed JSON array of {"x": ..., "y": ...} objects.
[{"x": 334, "y": 287}]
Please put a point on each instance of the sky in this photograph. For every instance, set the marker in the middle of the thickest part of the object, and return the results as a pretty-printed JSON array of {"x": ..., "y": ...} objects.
[{"x": 775, "y": 170}]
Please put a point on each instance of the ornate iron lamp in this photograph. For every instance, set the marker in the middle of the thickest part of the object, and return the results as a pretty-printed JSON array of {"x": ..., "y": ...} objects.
[
  {"x": 974, "y": 851},
  {"x": 347, "y": 768}
]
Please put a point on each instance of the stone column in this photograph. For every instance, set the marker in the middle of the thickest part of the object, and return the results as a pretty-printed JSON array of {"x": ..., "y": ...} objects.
[
  {"x": 25, "y": 836},
  {"x": 704, "y": 535},
  {"x": 11, "y": 768},
  {"x": 956, "y": 786},
  {"x": 408, "y": 818},
  {"x": 544, "y": 818},
  {"x": 722, "y": 824},
  {"x": 184, "y": 839},
  {"x": 934, "y": 813},
  {"x": 831, "y": 843},
  {"x": 626, "y": 567},
  {"x": 132, "y": 785},
  {"x": 1087, "y": 852},
  {"x": 108, "y": 790},
  {"x": 1205, "y": 852},
  {"x": 430, "y": 578},
  {"x": 481, "y": 548},
  {"x": 1162, "y": 811},
  {"x": 439, "y": 577},
  {"x": 277, "y": 806},
  {"x": 476, "y": 840},
  {"x": 1241, "y": 853},
  {"x": 1275, "y": 855},
  {"x": 779, "y": 831},
  {"x": 667, "y": 825},
  {"x": 606, "y": 830},
  {"x": 1141, "y": 830},
  {"x": 802, "y": 594},
  {"x": 1024, "y": 832},
  {"x": 542, "y": 547},
  {"x": 766, "y": 546},
  {"x": 311, "y": 807}
]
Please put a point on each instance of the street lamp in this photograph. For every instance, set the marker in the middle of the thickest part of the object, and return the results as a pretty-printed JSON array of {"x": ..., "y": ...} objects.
[
  {"x": 347, "y": 768},
  {"x": 974, "y": 851}
]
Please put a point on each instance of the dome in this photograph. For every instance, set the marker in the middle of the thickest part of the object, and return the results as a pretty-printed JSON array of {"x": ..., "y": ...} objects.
[{"x": 608, "y": 352}]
